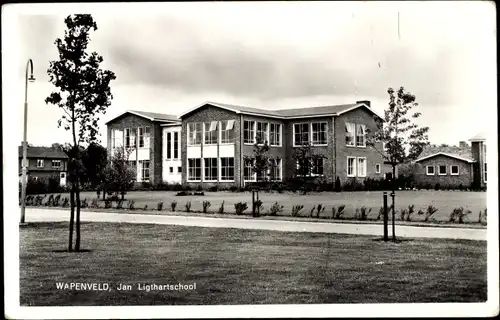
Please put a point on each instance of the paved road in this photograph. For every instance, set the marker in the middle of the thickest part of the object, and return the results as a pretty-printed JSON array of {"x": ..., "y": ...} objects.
[{"x": 37, "y": 215}]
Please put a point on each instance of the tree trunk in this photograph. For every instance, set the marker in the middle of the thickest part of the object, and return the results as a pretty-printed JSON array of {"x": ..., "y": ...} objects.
[
  {"x": 77, "y": 244},
  {"x": 72, "y": 217}
]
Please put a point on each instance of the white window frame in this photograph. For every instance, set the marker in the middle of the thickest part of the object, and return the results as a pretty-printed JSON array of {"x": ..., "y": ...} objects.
[
  {"x": 220, "y": 170},
  {"x": 485, "y": 171},
  {"x": 377, "y": 168},
  {"x": 126, "y": 134},
  {"x": 433, "y": 170},
  {"x": 207, "y": 131},
  {"x": 346, "y": 125},
  {"x": 277, "y": 133},
  {"x": 224, "y": 124},
  {"x": 312, "y": 133},
  {"x": 176, "y": 146},
  {"x": 142, "y": 170},
  {"x": 362, "y": 173},
  {"x": 254, "y": 174},
  {"x": 188, "y": 178},
  {"x": 275, "y": 165},
  {"x": 308, "y": 133},
  {"x": 146, "y": 136},
  {"x": 58, "y": 166},
  {"x": 169, "y": 139},
  {"x": 253, "y": 130},
  {"x": 117, "y": 139},
  {"x": 266, "y": 132},
  {"x": 189, "y": 133},
  {"x": 364, "y": 135},
  {"x": 40, "y": 161},
  {"x": 204, "y": 167},
  {"x": 439, "y": 170},
  {"x": 314, "y": 164},
  {"x": 354, "y": 167},
  {"x": 451, "y": 170}
]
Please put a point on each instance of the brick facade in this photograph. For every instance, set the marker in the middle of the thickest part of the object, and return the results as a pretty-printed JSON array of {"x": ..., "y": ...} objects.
[{"x": 464, "y": 178}]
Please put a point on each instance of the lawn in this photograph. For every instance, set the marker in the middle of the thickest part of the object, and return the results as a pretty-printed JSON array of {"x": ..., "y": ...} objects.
[
  {"x": 233, "y": 266},
  {"x": 444, "y": 201}
]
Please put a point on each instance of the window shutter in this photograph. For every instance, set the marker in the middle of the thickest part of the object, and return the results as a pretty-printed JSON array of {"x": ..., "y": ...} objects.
[
  {"x": 213, "y": 126},
  {"x": 230, "y": 125}
]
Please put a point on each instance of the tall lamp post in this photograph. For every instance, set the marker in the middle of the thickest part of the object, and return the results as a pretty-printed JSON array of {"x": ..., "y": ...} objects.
[{"x": 25, "y": 143}]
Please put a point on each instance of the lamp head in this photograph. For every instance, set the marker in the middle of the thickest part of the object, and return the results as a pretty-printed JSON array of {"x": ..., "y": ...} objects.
[{"x": 31, "y": 79}]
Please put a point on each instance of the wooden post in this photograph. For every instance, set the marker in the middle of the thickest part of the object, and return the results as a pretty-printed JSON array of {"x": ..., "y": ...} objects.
[
  {"x": 253, "y": 203},
  {"x": 386, "y": 231},
  {"x": 393, "y": 195}
]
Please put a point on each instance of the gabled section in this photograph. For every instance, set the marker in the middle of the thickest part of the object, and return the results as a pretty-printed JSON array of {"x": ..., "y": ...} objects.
[
  {"x": 153, "y": 116},
  {"x": 446, "y": 155}
]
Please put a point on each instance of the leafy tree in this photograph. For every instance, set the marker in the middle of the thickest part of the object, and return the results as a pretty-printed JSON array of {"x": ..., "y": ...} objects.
[
  {"x": 261, "y": 162},
  {"x": 118, "y": 175},
  {"x": 95, "y": 159},
  {"x": 83, "y": 93},
  {"x": 402, "y": 138},
  {"x": 306, "y": 160}
]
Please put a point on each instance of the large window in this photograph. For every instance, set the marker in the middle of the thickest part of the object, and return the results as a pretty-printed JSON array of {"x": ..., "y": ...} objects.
[
  {"x": 117, "y": 138},
  {"x": 454, "y": 170},
  {"x": 249, "y": 131},
  {"x": 176, "y": 145},
  {"x": 248, "y": 173},
  {"x": 317, "y": 166},
  {"x": 319, "y": 133},
  {"x": 485, "y": 173},
  {"x": 361, "y": 167},
  {"x": 430, "y": 170},
  {"x": 351, "y": 166},
  {"x": 56, "y": 164},
  {"x": 210, "y": 169},
  {"x": 127, "y": 138},
  {"x": 262, "y": 132},
  {"x": 301, "y": 134},
  {"x": 194, "y": 169},
  {"x": 361, "y": 135},
  {"x": 211, "y": 132},
  {"x": 194, "y": 133},
  {"x": 350, "y": 129},
  {"x": 227, "y": 169},
  {"x": 275, "y": 169},
  {"x": 442, "y": 170},
  {"x": 144, "y": 134},
  {"x": 227, "y": 131},
  {"x": 144, "y": 165},
  {"x": 169, "y": 145},
  {"x": 40, "y": 163},
  {"x": 275, "y": 134}
]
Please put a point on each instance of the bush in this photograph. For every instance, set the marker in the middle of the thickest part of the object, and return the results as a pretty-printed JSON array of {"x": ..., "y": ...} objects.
[
  {"x": 430, "y": 211},
  {"x": 131, "y": 204},
  {"x": 380, "y": 213},
  {"x": 233, "y": 189},
  {"x": 57, "y": 200},
  {"x": 199, "y": 193},
  {"x": 206, "y": 205},
  {"x": 173, "y": 205},
  {"x": 95, "y": 203},
  {"x": 213, "y": 189},
  {"x": 119, "y": 204},
  {"x": 411, "y": 210},
  {"x": 459, "y": 215},
  {"x": 483, "y": 216},
  {"x": 240, "y": 207},
  {"x": 50, "y": 201},
  {"x": 296, "y": 210},
  {"x": 188, "y": 206},
  {"x": 319, "y": 208},
  {"x": 159, "y": 206},
  {"x": 199, "y": 188},
  {"x": 107, "y": 203},
  {"x": 437, "y": 186},
  {"x": 65, "y": 202},
  {"x": 403, "y": 214},
  {"x": 375, "y": 184},
  {"x": 221, "y": 208},
  {"x": 183, "y": 193},
  {"x": 145, "y": 207},
  {"x": 84, "y": 203},
  {"x": 352, "y": 184},
  {"x": 339, "y": 212},
  {"x": 275, "y": 209},
  {"x": 364, "y": 213}
]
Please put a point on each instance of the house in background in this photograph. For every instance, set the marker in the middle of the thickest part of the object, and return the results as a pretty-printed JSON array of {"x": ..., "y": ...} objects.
[
  {"x": 217, "y": 142},
  {"x": 453, "y": 166},
  {"x": 45, "y": 162},
  {"x": 152, "y": 142}
]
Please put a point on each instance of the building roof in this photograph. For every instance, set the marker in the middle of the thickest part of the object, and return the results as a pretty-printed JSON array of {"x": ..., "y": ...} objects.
[
  {"x": 479, "y": 137},
  {"x": 43, "y": 152},
  {"x": 333, "y": 110},
  {"x": 153, "y": 116},
  {"x": 444, "y": 154}
]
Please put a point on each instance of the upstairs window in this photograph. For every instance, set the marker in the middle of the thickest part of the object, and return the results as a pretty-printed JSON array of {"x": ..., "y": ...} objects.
[
  {"x": 194, "y": 133},
  {"x": 301, "y": 134},
  {"x": 261, "y": 132},
  {"x": 361, "y": 135},
  {"x": 275, "y": 134},
  {"x": 40, "y": 163},
  {"x": 176, "y": 145},
  {"x": 211, "y": 132},
  {"x": 144, "y": 134},
  {"x": 319, "y": 133},
  {"x": 56, "y": 164},
  {"x": 127, "y": 138},
  {"x": 249, "y": 131},
  {"x": 169, "y": 145},
  {"x": 227, "y": 131},
  {"x": 350, "y": 129},
  {"x": 117, "y": 138}
]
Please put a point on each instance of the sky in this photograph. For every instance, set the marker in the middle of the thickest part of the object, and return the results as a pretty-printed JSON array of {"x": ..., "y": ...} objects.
[{"x": 170, "y": 57}]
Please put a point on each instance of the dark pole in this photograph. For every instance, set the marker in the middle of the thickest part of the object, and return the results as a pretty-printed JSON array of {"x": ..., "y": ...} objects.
[
  {"x": 253, "y": 203},
  {"x": 386, "y": 231},
  {"x": 393, "y": 195}
]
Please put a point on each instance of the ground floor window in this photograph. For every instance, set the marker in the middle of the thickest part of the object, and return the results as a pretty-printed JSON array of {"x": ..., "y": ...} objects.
[
  {"x": 361, "y": 167},
  {"x": 248, "y": 173},
  {"x": 317, "y": 166},
  {"x": 377, "y": 168},
  {"x": 144, "y": 165},
  {"x": 210, "y": 169},
  {"x": 454, "y": 170},
  {"x": 276, "y": 169},
  {"x": 442, "y": 170},
  {"x": 351, "y": 166},
  {"x": 227, "y": 169},
  {"x": 194, "y": 169},
  {"x": 430, "y": 170}
]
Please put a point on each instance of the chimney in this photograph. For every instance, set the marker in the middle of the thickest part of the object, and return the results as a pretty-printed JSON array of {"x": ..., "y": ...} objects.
[
  {"x": 367, "y": 102},
  {"x": 463, "y": 144}
]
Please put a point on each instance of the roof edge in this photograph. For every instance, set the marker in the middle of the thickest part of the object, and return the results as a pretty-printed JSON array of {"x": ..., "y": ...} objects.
[
  {"x": 445, "y": 154},
  {"x": 139, "y": 115}
]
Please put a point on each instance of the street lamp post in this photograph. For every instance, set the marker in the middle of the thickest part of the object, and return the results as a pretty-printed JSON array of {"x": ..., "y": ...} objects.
[{"x": 25, "y": 143}]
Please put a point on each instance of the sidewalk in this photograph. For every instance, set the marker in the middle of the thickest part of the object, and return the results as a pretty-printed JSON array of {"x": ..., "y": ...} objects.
[{"x": 40, "y": 215}]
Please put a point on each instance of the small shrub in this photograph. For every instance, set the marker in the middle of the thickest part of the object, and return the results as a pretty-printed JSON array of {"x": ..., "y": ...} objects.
[
  {"x": 199, "y": 188},
  {"x": 65, "y": 202},
  {"x": 159, "y": 206},
  {"x": 380, "y": 213},
  {"x": 275, "y": 209},
  {"x": 213, "y": 189},
  {"x": 430, "y": 211},
  {"x": 95, "y": 203},
  {"x": 437, "y": 186},
  {"x": 145, "y": 207},
  {"x": 107, "y": 203},
  {"x": 188, "y": 206},
  {"x": 311, "y": 213},
  {"x": 340, "y": 211},
  {"x": 84, "y": 203},
  {"x": 206, "y": 205},
  {"x": 131, "y": 204},
  {"x": 296, "y": 210},
  {"x": 183, "y": 193},
  {"x": 411, "y": 210},
  {"x": 119, "y": 204},
  {"x": 233, "y": 188},
  {"x": 221, "y": 208},
  {"x": 319, "y": 208},
  {"x": 199, "y": 193},
  {"x": 240, "y": 207},
  {"x": 57, "y": 200},
  {"x": 459, "y": 215},
  {"x": 173, "y": 205},
  {"x": 483, "y": 216},
  {"x": 50, "y": 201},
  {"x": 363, "y": 213}
]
